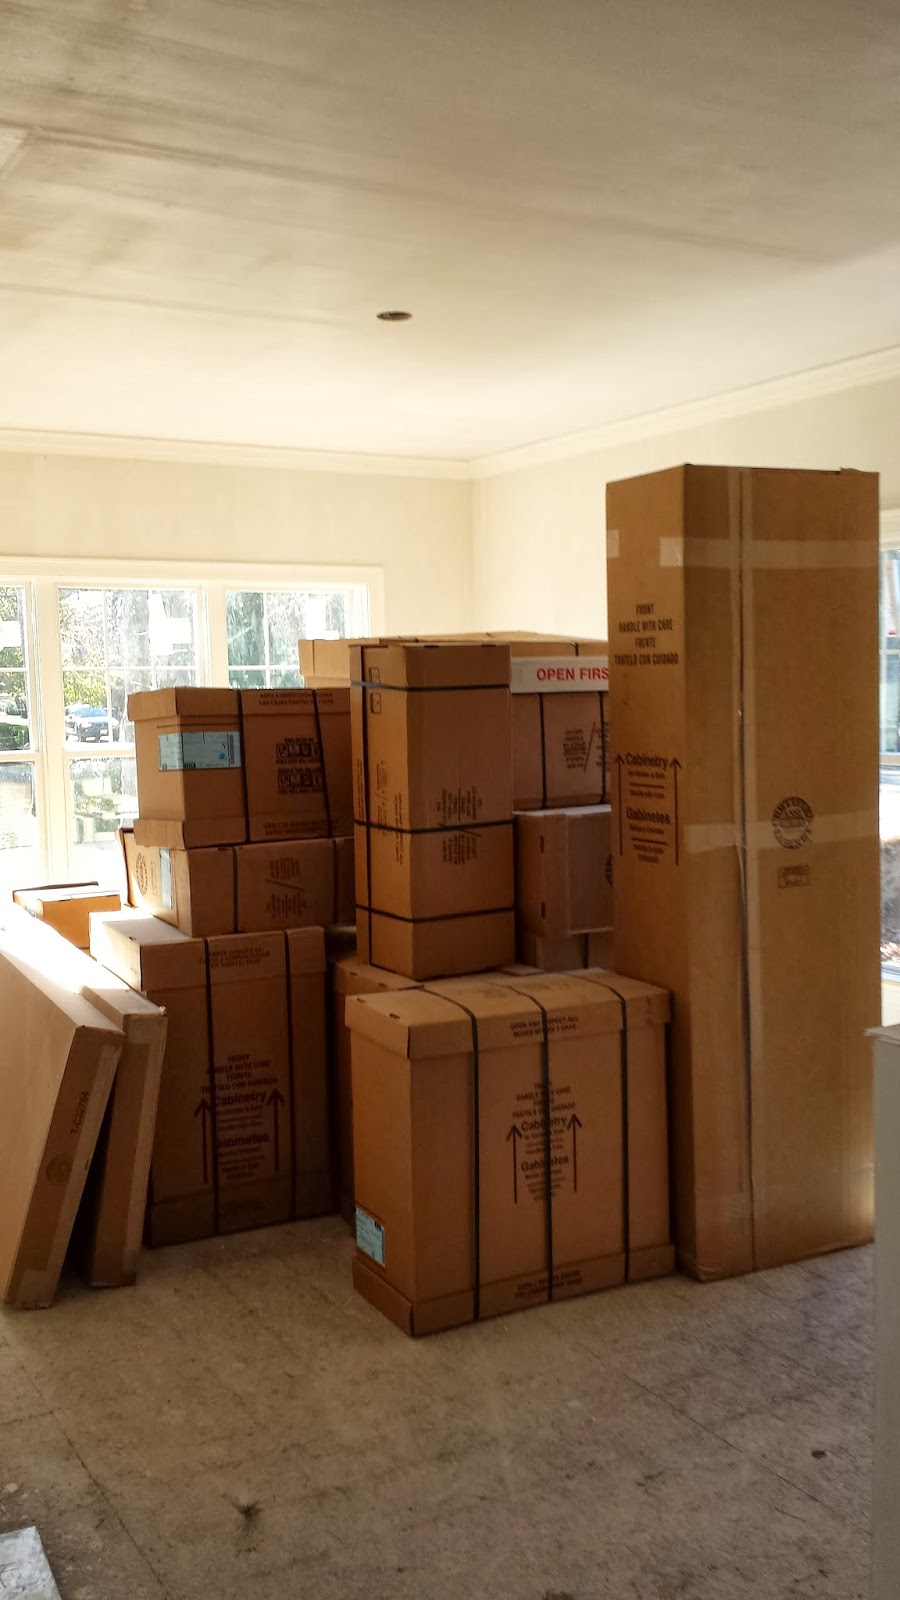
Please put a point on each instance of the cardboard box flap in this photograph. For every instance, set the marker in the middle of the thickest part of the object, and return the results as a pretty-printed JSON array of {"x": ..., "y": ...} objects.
[
  {"x": 147, "y": 953},
  {"x": 349, "y": 971},
  {"x": 57, "y": 991},
  {"x": 160, "y": 704},
  {"x": 51, "y": 953},
  {"x": 306, "y": 950},
  {"x": 246, "y": 957},
  {"x": 437, "y": 1018},
  {"x": 432, "y": 666}
]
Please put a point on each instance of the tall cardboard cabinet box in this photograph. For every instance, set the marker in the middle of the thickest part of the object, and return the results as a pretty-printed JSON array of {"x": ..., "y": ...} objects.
[
  {"x": 744, "y": 697},
  {"x": 430, "y": 726}
]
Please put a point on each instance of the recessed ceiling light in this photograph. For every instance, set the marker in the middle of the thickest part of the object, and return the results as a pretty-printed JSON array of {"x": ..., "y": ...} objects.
[{"x": 394, "y": 316}]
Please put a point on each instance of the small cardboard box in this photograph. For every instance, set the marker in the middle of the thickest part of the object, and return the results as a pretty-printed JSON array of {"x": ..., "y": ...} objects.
[
  {"x": 434, "y": 865},
  {"x": 746, "y": 838},
  {"x": 67, "y": 907},
  {"x": 189, "y": 763},
  {"x": 57, "y": 1066},
  {"x": 298, "y": 762},
  {"x": 564, "y": 881},
  {"x": 170, "y": 969},
  {"x": 349, "y": 976},
  {"x": 560, "y": 735},
  {"x": 296, "y": 883},
  {"x": 569, "y": 953},
  {"x": 460, "y": 1217},
  {"x": 190, "y": 889}
]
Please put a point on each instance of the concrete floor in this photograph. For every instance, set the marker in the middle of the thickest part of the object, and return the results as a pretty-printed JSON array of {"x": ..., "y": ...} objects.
[{"x": 242, "y": 1425}]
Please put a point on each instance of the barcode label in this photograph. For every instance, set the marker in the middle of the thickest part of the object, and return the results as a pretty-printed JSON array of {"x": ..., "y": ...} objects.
[
  {"x": 199, "y": 752},
  {"x": 369, "y": 1236}
]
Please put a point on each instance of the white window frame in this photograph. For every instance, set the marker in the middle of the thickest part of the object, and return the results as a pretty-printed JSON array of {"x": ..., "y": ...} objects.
[{"x": 42, "y": 577}]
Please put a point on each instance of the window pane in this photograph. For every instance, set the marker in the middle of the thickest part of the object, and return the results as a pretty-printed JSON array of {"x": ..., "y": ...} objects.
[
  {"x": 264, "y": 626},
  {"x": 20, "y": 843},
  {"x": 286, "y": 618},
  {"x": 247, "y": 678},
  {"x": 116, "y": 642},
  {"x": 104, "y": 798},
  {"x": 285, "y": 678},
  {"x": 15, "y": 714},
  {"x": 245, "y": 621}
]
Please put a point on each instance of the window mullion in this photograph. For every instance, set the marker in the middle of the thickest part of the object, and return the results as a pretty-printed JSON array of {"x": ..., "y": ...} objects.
[{"x": 53, "y": 728}]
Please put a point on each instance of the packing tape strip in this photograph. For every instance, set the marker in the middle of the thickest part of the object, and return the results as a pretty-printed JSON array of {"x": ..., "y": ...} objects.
[
  {"x": 834, "y": 828},
  {"x": 768, "y": 554}
]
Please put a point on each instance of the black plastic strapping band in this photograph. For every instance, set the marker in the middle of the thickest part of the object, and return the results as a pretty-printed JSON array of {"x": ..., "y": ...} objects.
[
  {"x": 246, "y": 797},
  {"x": 427, "y": 688},
  {"x": 476, "y": 1150},
  {"x": 292, "y": 1089},
  {"x": 543, "y": 755},
  {"x": 440, "y": 827},
  {"x": 322, "y": 767},
  {"x": 234, "y": 890},
  {"x": 365, "y": 775},
  {"x": 213, "y": 1116},
  {"x": 446, "y": 916},
  {"x": 548, "y": 1131},
  {"x": 626, "y": 1155}
]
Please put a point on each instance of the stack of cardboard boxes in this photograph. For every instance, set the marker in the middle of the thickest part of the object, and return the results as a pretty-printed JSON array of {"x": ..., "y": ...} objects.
[{"x": 242, "y": 854}]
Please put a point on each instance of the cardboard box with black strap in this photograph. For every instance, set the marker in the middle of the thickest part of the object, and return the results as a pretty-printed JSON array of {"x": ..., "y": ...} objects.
[
  {"x": 433, "y": 805},
  {"x": 744, "y": 687},
  {"x": 190, "y": 769},
  {"x": 297, "y": 762},
  {"x": 510, "y": 1143}
]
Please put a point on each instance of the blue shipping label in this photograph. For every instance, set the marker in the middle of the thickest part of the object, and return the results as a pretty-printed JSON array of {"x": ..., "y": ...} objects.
[{"x": 370, "y": 1236}]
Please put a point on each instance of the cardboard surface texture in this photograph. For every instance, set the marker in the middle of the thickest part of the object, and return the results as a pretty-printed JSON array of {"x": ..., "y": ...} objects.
[
  {"x": 57, "y": 1065},
  {"x": 241, "y": 888},
  {"x": 746, "y": 839},
  {"x": 434, "y": 862},
  {"x": 349, "y": 975},
  {"x": 564, "y": 871},
  {"x": 567, "y": 954},
  {"x": 67, "y": 907},
  {"x": 241, "y": 1134},
  {"x": 298, "y": 762},
  {"x": 466, "y": 1095},
  {"x": 190, "y": 764}
]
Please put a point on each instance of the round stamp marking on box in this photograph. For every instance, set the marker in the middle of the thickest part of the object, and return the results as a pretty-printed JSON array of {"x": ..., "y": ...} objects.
[{"x": 792, "y": 822}]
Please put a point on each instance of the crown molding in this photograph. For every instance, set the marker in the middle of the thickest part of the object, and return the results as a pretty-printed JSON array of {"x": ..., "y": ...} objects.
[
  {"x": 876, "y": 367},
  {"x": 24, "y": 441}
]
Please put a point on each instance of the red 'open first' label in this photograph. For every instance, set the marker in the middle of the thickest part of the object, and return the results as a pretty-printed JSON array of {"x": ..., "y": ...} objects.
[{"x": 559, "y": 674}]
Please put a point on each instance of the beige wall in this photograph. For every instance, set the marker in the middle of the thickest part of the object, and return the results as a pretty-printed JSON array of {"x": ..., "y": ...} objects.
[
  {"x": 416, "y": 529},
  {"x": 539, "y": 531}
]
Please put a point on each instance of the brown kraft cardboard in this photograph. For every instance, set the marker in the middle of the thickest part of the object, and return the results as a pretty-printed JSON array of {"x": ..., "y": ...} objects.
[
  {"x": 298, "y": 762},
  {"x": 564, "y": 875},
  {"x": 190, "y": 764},
  {"x": 67, "y": 907},
  {"x": 532, "y": 1198},
  {"x": 744, "y": 690},
  {"x": 56, "y": 1072}
]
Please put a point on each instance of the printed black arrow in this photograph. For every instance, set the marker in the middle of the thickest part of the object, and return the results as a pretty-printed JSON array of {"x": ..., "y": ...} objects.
[
  {"x": 204, "y": 1112},
  {"x": 574, "y": 1123},
  {"x": 276, "y": 1099},
  {"x": 515, "y": 1134},
  {"x": 619, "y": 765},
  {"x": 675, "y": 764}
]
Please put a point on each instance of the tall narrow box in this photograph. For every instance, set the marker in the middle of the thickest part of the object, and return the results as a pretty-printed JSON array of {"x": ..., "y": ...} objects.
[
  {"x": 744, "y": 697},
  {"x": 433, "y": 805}
]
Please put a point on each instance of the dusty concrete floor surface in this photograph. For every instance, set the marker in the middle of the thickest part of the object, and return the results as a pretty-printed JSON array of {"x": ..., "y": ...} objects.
[{"x": 242, "y": 1425}]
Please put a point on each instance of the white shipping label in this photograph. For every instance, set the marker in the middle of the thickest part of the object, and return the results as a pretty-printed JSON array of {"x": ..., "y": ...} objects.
[
  {"x": 165, "y": 878},
  {"x": 196, "y": 752},
  {"x": 10, "y": 636},
  {"x": 558, "y": 674},
  {"x": 369, "y": 1236}
]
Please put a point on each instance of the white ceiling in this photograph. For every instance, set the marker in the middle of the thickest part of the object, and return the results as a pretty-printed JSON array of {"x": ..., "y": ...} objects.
[{"x": 595, "y": 208}]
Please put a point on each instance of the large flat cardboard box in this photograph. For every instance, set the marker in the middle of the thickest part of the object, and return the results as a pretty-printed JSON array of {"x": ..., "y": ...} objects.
[
  {"x": 564, "y": 874},
  {"x": 491, "y": 1124},
  {"x": 298, "y": 762},
  {"x": 170, "y": 969},
  {"x": 57, "y": 1066},
  {"x": 350, "y": 975},
  {"x": 190, "y": 763},
  {"x": 746, "y": 840},
  {"x": 254, "y": 888},
  {"x": 434, "y": 863},
  {"x": 67, "y": 907},
  {"x": 109, "y": 1225}
]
